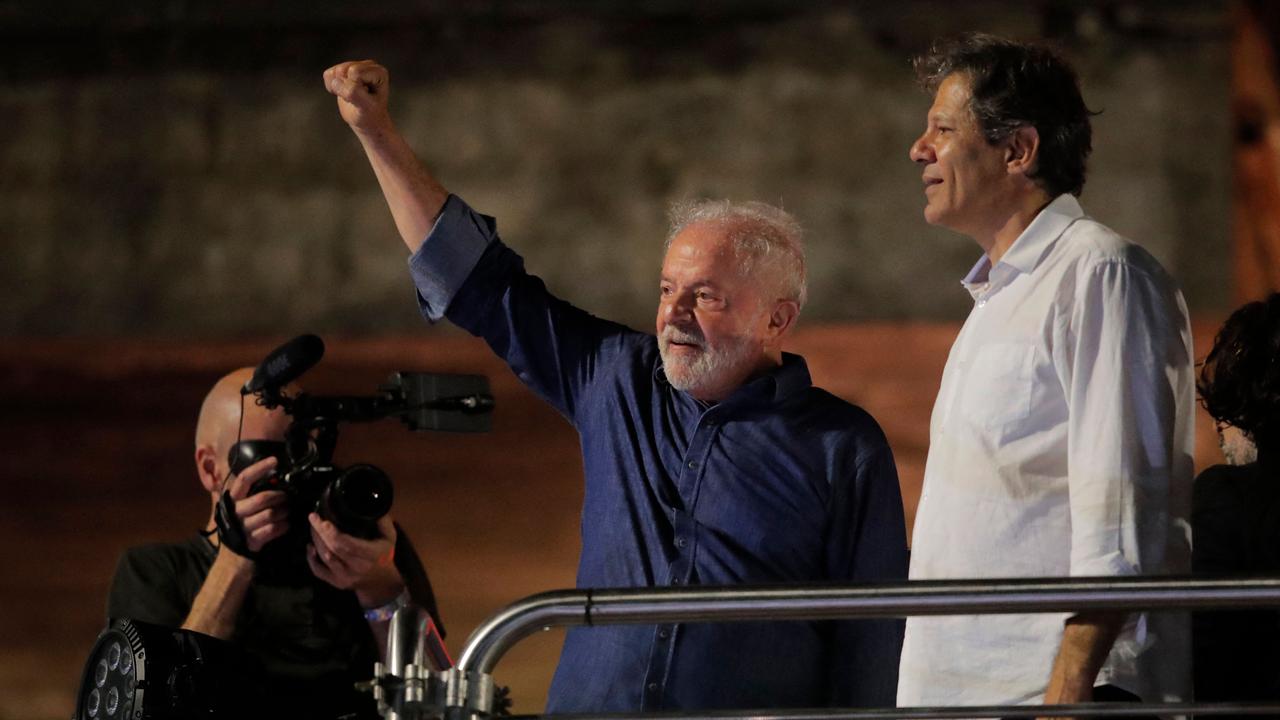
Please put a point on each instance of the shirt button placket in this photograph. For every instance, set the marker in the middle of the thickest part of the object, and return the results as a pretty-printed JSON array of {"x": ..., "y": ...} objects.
[{"x": 681, "y": 568}]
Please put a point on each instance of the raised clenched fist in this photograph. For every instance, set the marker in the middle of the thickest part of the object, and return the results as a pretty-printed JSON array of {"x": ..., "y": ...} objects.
[{"x": 362, "y": 88}]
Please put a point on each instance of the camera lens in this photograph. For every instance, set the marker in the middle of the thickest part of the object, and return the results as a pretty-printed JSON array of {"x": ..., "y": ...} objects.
[
  {"x": 356, "y": 499},
  {"x": 364, "y": 491}
]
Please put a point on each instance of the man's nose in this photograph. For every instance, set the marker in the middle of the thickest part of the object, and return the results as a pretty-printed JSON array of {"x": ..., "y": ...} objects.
[
  {"x": 920, "y": 151},
  {"x": 677, "y": 310}
]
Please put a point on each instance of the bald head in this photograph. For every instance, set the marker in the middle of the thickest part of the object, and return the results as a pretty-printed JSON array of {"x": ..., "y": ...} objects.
[{"x": 220, "y": 422}]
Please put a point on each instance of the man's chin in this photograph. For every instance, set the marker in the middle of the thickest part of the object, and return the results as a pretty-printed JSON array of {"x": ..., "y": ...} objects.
[
  {"x": 682, "y": 376},
  {"x": 679, "y": 377}
]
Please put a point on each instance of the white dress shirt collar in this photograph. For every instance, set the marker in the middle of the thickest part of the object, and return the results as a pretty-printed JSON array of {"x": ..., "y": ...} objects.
[{"x": 1027, "y": 251}]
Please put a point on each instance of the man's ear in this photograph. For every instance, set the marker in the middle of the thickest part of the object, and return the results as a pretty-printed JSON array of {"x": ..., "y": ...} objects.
[
  {"x": 782, "y": 318},
  {"x": 207, "y": 468},
  {"x": 1022, "y": 150}
]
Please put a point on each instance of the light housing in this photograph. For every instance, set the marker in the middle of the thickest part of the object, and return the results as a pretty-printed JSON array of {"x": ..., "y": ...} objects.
[{"x": 139, "y": 671}]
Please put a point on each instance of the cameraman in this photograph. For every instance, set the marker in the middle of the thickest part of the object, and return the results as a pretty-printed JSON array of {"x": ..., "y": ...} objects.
[{"x": 309, "y": 625}]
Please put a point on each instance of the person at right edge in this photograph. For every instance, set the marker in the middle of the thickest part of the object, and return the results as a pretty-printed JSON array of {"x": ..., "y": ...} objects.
[
  {"x": 1235, "y": 516},
  {"x": 1061, "y": 440}
]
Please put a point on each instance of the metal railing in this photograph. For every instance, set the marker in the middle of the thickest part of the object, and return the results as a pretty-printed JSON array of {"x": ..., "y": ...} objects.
[{"x": 492, "y": 639}]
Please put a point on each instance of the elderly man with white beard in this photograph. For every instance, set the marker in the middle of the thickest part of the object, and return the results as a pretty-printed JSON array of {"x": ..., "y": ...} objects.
[{"x": 709, "y": 456}]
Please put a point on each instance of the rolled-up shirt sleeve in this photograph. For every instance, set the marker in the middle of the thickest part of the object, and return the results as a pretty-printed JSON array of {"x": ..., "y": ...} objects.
[
  {"x": 1127, "y": 375},
  {"x": 448, "y": 255},
  {"x": 465, "y": 273}
]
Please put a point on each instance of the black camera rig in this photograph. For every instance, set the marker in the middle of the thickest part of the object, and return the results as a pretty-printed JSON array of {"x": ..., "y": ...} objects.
[{"x": 356, "y": 497}]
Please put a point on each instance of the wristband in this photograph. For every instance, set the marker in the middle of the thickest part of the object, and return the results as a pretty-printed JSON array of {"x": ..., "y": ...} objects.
[{"x": 383, "y": 613}]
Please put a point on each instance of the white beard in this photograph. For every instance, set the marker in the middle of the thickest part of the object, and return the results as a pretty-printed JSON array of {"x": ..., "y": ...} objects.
[{"x": 705, "y": 370}]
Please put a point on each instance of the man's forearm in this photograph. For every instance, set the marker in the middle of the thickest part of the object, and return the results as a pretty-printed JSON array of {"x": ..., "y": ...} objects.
[
  {"x": 1086, "y": 641},
  {"x": 218, "y": 603},
  {"x": 363, "y": 90},
  {"x": 413, "y": 194}
]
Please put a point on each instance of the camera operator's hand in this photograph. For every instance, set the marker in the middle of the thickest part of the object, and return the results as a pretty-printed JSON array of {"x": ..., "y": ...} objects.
[
  {"x": 245, "y": 523},
  {"x": 258, "y": 518},
  {"x": 362, "y": 88},
  {"x": 352, "y": 563}
]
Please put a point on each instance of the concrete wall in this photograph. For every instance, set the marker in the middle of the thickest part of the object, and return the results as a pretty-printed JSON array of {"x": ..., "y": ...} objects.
[{"x": 178, "y": 170}]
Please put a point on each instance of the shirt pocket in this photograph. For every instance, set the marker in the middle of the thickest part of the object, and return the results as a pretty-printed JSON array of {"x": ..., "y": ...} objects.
[{"x": 998, "y": 387}]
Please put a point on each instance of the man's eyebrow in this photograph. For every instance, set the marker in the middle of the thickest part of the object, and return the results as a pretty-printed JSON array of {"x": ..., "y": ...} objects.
[{"x": 699, "y": 283}]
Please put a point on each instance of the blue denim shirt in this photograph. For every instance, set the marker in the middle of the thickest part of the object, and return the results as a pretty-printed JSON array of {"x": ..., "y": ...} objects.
[{"x": 780, "y": 483}]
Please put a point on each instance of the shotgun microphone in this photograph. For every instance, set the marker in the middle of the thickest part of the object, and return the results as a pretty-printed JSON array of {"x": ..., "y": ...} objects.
[{"x": 285, "y": 364}]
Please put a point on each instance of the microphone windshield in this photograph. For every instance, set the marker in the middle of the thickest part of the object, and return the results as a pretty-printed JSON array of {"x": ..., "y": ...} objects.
[{"x": 285, "y": 364}]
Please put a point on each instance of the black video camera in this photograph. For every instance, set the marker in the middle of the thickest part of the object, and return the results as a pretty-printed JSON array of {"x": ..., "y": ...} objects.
[
  {"x": 352, "y": 498},
  {"x": 356, "y": 497}
]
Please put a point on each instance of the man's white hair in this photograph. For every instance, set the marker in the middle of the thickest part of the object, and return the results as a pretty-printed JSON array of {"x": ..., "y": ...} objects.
[{"x": 764, "y": 236}]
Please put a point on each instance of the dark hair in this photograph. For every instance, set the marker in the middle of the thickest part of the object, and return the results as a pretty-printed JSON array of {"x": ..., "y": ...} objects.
[
  {"x": 1014, "y": 85},
  {"x": 1240, "y": 379}
]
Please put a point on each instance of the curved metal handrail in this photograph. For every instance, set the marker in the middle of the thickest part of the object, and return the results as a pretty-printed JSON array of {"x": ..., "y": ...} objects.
[
  {"x": 492, "y": 639},
  {"x": 496, "y": 635}
]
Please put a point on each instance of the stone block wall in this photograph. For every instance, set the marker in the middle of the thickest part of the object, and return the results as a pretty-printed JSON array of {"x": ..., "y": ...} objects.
[{"x": 178, "y": 171}]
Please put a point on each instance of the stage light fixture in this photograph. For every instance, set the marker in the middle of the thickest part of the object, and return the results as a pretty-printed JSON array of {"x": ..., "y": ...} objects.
[{"x": 138, "y": 671}]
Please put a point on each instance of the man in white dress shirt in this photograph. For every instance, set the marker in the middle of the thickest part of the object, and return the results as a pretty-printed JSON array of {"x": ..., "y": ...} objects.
[{"x": 1061, "y": 439}]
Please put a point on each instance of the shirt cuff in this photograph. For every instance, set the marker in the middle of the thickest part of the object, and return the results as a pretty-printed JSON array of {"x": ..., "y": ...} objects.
[
  {"x": 448, "y": 255},
  {"x": 1132, "y": 639}
]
